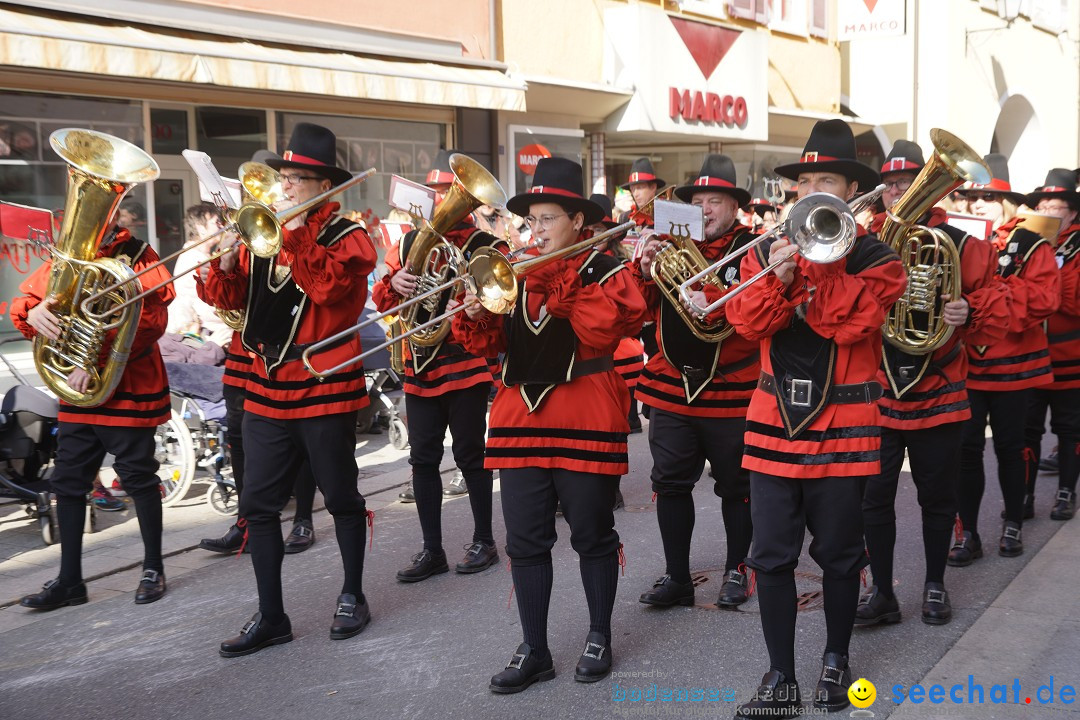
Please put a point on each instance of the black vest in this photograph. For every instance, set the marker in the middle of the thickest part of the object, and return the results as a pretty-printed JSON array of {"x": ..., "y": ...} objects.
[
  {"x": 541, "y": 355},
  {"x": 1069, "y": 248},
  {"x": 276, "y": 305},
  {"x": 694, "y": 359},
  {"x": 1013, "y": 257},
  {"x": 799, "y": 354}
]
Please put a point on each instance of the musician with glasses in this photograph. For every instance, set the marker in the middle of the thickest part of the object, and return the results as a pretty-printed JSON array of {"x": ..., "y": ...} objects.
[
  {"x": 124, "y": 426},
  {"x": 812, "y": 429},
  {"x": 924, "y": 407},
  {"x": 558, "y": 424},
  {"x": 698, "y": 391},
  {"x": 446, "y": 387},
  {"x": 313, "y": 288}
]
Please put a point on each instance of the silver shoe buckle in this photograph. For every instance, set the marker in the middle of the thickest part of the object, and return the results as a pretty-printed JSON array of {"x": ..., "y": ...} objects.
[
  {"x": 798, "y": 392},
  {"x": 345, "y": 610},
  {"x": 832, "y": 675},
  {"x": 595, "y": 655},
  {"x": 516, "y": 661},
  {"x": 1064, "y": 495},
  {"x": 1012, "y": 533},
  {"x": 935, "y": 596}
]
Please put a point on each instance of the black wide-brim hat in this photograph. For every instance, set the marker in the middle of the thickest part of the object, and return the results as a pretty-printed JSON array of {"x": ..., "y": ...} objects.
[
  {"x": 717, "y": 175},
  {"x": 557, "y": 180},
  {"x": 440, "y": 172},
  {"x": 831, "y": 148},
  {"x": 905, "y": 156},
  {"x": 999, "y": 179},
  {"x": 1060, "y": 183},
  {"x": 606, "y": 205},
  {"x": 312, "y": 147},
  {"x": 642, "y": 171}
]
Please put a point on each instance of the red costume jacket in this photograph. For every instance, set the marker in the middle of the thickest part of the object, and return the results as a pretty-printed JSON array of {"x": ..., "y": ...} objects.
[
  {"x": 1063, "y": 327},
  {"x": 238, "y": 360},
  {"x": 141, "y": 398}
]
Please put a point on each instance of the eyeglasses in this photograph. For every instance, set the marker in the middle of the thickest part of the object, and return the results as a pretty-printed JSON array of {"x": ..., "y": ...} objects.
[
  {"x": 903, "y": 184},
  {"x": 544, "y": 221},
  {"x": 985, "y": 197},
  {"x": 296, "y": 179}
]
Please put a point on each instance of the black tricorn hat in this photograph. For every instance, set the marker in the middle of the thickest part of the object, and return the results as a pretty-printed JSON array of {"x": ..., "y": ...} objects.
[
  {"x": 905, "y": 156},
  {"x": 557, "y": 180},
  {"x": 642, "y": 171},
  {"x": 312, "y": 147},
  {"x": 440, "y": 173},
  {"x": 606, "y": 205},
  {"x": 999, "y": 179},
  {"x": 1060, "y": 183},
  {"x": 717, "y": 175},
  {"x": 831, "y": 148}
]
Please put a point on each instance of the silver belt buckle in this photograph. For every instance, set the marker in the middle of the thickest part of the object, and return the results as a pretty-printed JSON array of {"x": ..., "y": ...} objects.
[{"x": 799, "y": 392}]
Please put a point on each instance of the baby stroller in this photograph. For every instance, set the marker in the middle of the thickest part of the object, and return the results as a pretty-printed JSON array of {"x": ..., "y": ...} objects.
[{"x": 381, "y": 411}]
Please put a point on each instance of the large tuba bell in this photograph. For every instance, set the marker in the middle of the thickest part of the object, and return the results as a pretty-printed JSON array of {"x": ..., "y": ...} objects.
[
  {"x": 433, "y": 259},
  {"x": 101, "y": 171},
  {"x": 915, "y": 323},
  {"x": 674, "y": 264}
]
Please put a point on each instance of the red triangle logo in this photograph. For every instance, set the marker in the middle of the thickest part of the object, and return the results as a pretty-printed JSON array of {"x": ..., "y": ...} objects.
[
  {"x": 870, "y": 4},
  {"x": 708, "y": 44}
]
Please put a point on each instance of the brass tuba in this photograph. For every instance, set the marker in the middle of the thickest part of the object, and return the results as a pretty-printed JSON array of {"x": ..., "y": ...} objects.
[
  {"x": 435, "y": 260},
  {"x": 674, "y": 264},
  {"x": 101, "y": 171},
  {"x": 915, "y": 324}
]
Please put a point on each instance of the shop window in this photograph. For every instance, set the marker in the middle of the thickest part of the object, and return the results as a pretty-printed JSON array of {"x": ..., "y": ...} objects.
[
  {"x": 230, "y": 135},
  {"x": 819, "y": 18},
  {"x": 791, "y": 16},
  {"x": 529, "y": 144},
  {"x": 168, "y": 131},
  {"x": 757, "y": 10}
]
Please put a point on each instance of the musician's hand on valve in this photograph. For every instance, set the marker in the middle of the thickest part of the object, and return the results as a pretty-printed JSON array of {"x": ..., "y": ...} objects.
[
  {"x": 78, "y": 380},
  {"x": 648, "y": 253},
  {"x": 473, "y": 308},
  {"x": 403, "y": 282},
  {"x": 784, "y": 251},
  {"x": 227, "y": 263},
  {"x": 42, "y": 319},
  {"x": 954, "y": 312}
]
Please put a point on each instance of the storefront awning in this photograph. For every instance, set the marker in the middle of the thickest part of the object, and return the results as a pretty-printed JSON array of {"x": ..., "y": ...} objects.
[{"x": 66, "y": 43}]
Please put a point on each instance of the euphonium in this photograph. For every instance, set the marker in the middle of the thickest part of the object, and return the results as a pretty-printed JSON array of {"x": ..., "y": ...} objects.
[
  {"x": 675, "y": 263},
  {"x": 101, "y": 171},
  {"x": 915, "y": 322},
  {"x": 433, "y": 259}
]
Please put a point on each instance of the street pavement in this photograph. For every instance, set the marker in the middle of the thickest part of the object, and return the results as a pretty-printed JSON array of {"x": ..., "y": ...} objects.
[{"x": 432, "y": 646}]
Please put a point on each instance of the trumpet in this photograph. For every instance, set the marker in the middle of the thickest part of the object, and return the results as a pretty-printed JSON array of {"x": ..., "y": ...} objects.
[
  {"x": 491, "y": 277},
  {"x": 259, "y": 228},
  {"x": 822, "y": 227}
]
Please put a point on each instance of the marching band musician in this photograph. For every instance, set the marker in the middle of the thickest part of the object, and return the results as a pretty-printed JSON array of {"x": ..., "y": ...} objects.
[
  {"x": 923, "y": 409},
  {"x": 558, "y": 424},
  {"x": 698, "y": 392},
  {"x": 1001, "y": 374},
  {"x": 123, "y": 426},
  {"x": 1058, "y": 197},
  {"x": 445, "y": 387},
  {"x": 812, "y": 431},
  {"x": 313, "y": 288}
]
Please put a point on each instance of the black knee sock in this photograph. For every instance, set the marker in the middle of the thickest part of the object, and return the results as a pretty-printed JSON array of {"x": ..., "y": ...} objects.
[
  {"x": 936, "y": 540},
  {"x": 739, "y": 530},
  {"x": 148, "y": 509},
  {"x": 479, "y": 485},
  {"x": 1068, "y": 462},
  {"x": 351, "y": 536},
  {"x": 304, "y": 490},
  {"x": 600, "y": 577},
  {"x": 881, "y": 544},
  {"x": 532, "y": 585},
  {"x": 427, "y": 487},
  {"x": 267, "y": 553},
  {"x": 70, "y": 515},
  {"x": 675, "y": 515},
  {"x": 841, "y": 599},
  {"x": 778, "y": 604}
]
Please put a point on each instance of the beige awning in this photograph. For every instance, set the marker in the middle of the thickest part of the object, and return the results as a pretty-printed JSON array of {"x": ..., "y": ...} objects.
[{"x": 47, "y": 41}]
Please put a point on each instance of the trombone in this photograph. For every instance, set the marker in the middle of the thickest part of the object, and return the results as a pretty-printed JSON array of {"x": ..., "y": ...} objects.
[
  {"x": 491, "y": 277},
  {"x": 260, "y": 230},
  {"x": 822, "y": 228}
]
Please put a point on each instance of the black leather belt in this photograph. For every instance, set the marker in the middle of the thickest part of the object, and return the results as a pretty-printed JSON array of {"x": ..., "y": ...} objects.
[
  {"x": 591, "y": 367},
  {"x": 292, "y": 353},
  {"x": 798, "y": 391},
  {"x": 698, "y": 374}
]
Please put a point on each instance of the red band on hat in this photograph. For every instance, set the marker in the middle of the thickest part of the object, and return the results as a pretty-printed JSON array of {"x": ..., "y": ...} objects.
[
  {"x": 641, "y": 177},
  {"x": 438, "y": 177},
  {"x": 898, "y": 164},
  {"x": 705, "y": 180},
  {"x": 994, "y": 184},
  {"x": 1053, "y": 188},
  {"x": 290, "y": 156},
  {"x": 813, "y": 157},
  {"x": 553, "y": 191}
]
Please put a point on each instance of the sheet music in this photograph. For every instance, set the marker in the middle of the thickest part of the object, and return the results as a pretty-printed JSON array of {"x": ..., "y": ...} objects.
[
  {"x": 672, "y": 218},
  {"x": 411, "y": 197},
  {"x": 216, "y": 187}
]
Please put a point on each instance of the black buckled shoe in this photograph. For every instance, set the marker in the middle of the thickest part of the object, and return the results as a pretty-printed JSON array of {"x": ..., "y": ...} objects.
[
  {"x": 733, "y": 592},
  {"x": 666, "y": 592},
  {"x": 53, "y": 595},
  {"x": 595, "y": 661},
  {"x": 151, "y": 587},
  {"x": 478, "y": 556},
  {"x": 875, "y": 607},
  {"x": 525, "y": 667},
  {"x": 936, "y": 609},
  {"x": 407, "y": 495},
  {"x": 1011, "y": 545},
  {"x": 424, "y": 564},
  {"x": 230, "y": 542},
  {"x": 350, "y": 618},
  {"x": 301, "y": 538},
  {"x": 776, "y": 697},
  {"x": 1064, "y": 505},
  {"x": 966, "y": 550},
  {"x": 831, "y": 694},
  {"x": 1029, "y": 507},
  {"x": 257, "y": 634}
]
